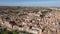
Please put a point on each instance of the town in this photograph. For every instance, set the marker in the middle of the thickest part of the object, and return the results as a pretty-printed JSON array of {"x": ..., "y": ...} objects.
[{"x": 34, "y": 20}]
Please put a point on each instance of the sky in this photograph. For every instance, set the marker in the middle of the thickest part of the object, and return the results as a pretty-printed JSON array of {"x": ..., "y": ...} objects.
[{"x": 43, "y": 3}]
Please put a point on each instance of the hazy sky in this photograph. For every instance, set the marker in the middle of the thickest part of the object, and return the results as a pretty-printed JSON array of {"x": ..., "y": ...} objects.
[{"x": 45, "y": 3}]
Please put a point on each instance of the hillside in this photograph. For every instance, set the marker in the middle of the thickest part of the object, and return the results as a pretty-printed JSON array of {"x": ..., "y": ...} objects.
[{"x": 34, "y": 20}]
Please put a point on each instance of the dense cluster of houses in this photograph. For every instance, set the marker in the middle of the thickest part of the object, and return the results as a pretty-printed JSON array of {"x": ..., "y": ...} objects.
[{"x": 44, "y": 21}]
